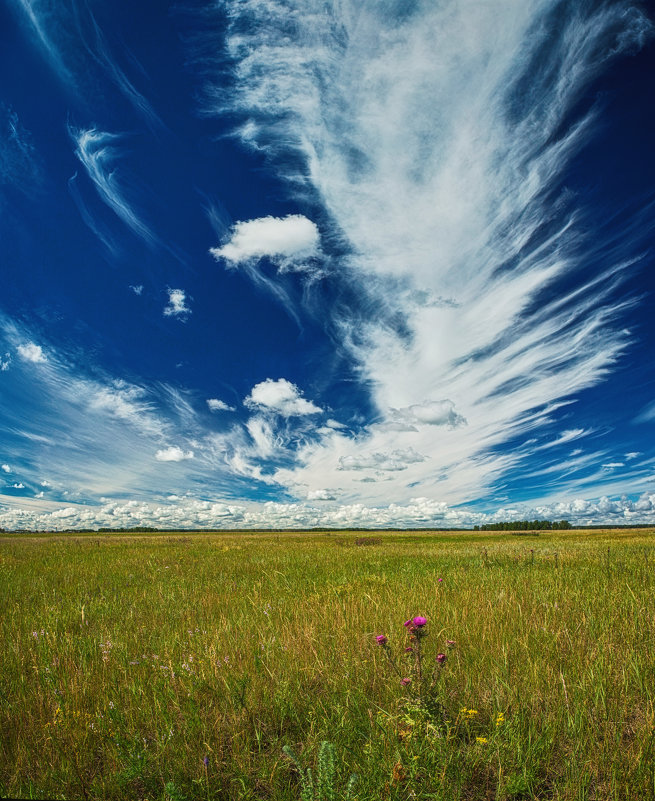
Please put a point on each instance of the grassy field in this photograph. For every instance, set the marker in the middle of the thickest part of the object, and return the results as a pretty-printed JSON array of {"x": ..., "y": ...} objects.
[{"x": 178, "y": 667}]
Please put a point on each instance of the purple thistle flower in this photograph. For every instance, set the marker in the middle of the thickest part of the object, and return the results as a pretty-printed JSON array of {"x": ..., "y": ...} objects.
[
  {"x": 407, "y": 624},
  {"x": 441, "y": 658},
  {"x": 450, "y": 643},
  {"x": 405, "y": 682},
  {"x": 409, "y": 650},
  {"x": 439, "y": 579},
  {"x": 381, "y": 639},
  {"x": 206, "y": 761},
  {"x": 419, "y": 621}
]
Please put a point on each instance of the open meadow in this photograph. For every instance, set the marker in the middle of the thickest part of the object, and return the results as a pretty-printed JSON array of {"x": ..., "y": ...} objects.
[{"x": 180, "y": 666}]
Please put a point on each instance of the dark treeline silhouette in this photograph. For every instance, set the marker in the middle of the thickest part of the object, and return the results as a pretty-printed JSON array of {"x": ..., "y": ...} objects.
[{"x": 525, "y": 525}]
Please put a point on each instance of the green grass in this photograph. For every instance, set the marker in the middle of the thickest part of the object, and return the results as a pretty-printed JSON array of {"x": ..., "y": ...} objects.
[{"x": 128, "y": 659}]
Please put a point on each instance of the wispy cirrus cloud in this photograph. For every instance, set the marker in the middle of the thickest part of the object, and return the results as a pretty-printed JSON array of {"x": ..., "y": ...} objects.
[
  {"x": 41, "y": 18},
  {"x": 19, "y": 162},
  {"x": 98, "y": 152},
  {"x": 442, "y": 176}
]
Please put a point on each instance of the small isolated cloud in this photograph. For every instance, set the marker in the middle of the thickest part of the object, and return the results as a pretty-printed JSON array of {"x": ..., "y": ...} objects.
[
  {"x": 5, "y": 361},
  {"x": 176, "y": 304},
  {"x": 216, "y": 405},
  {"x": 173, "y": 454},
  {"x": 31, "y": 353},
  {"x": 137, "y": 289},
  {"x": 321, "y": 495},
  {"x": 612, "y": 465},
  {"x": 431, "y": 413},
  {"x": 19, "y": 485},
  {"x": 284, "y": 240},
  {"x": 632, "y": 455},
  {"x": 389, "y": 462},
  {"x": 281, "y": 397},
  {"x": 6, "y": 468}
]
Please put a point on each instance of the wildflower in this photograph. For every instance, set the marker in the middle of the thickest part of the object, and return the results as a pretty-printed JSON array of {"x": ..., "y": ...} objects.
[
  {"x": 441, "y": 658},
  {"x": 481, "y": 739},
  {"x": 407, "y": 623},
  {"x": 439, "y": 579},
  {"x": 500, "y": 719},
  {"x": 405, "y": 682},
  {"x": 419, "y": 621},
  {"x": 409, "y": 649},
  {"x": 450, "y": 643},
  {"x": 381, "y": 639},
  {"x": 205, "y": 761}
]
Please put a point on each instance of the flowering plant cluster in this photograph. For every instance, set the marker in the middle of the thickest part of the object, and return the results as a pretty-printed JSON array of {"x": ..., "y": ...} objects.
[{"x": 420, "y": 681}]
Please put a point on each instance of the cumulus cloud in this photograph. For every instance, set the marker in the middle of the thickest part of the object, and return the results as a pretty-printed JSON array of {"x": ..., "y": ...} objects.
[
  {"x": 31, "y": 353},
  {"x": 321, "y": 495},
  {"x": 176, "y": 304},
  {"x": 173, "y": 454},
  {"x": 281, "y": 397},
  {"x": 431, "y": 413},
  {"x": 6, "y": 468},
  {"x": 396, "y": 460},
  {"x": 19, "y": 485},
  {"x": 287, "y": 241},
  {"x": 216, "y": 405}
]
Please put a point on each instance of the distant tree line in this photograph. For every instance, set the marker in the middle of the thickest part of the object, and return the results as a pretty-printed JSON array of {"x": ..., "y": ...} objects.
[
  {"x": 525, "y": 525},
  {"x": 125, "y": 530}
]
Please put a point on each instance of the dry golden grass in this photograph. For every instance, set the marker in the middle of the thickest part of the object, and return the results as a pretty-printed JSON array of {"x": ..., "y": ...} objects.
[{"x": 127, "y": 659}]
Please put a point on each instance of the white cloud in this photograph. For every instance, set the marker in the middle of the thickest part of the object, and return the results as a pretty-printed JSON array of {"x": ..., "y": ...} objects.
[
  {"x": 182, "y": 512},
  {"x": 632, "y": 455},
  {"x": 281, "y": 397},
  {"x": 176, "y": 304},
  {"x": 173, "y": 454},
  {"x": 216, "y": 405},
  {"x": 439, "y": 173},
  {"x": 396, "y": 460},
  {"x": 612, "y": 465},
  {"x": 31, "y": 353},
  {"x": 285, "y": 240},
  {"x": 138, "y": 290},
  {"x": 6, "y": 468},
  {"x": 321, "y": 495},
  {"x": 19, "y": 485},
  {"x": 432, "y": 413},
  {"x": 5, "y": 362},
  {"x": 98, "y": 151}
]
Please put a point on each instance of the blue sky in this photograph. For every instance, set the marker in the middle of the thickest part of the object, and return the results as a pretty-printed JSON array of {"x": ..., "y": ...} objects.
[{"x": 295, "y": 263}]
